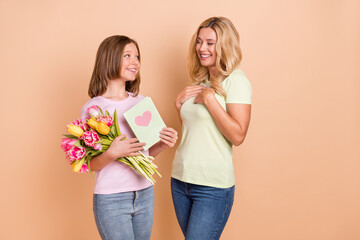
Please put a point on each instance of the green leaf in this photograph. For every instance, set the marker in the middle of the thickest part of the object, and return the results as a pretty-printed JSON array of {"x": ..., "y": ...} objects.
[
  {"x": 77, "y": 144},
  {"x": 107, "y": 113},
  {"x": 117, "y": 128},
  {"x": 113, "y": 130},
  {"x": 88, "y": 164},
  {"x": 101, "y": 110},
  {"x": 106, "y": 142},
  {"x": 70, "y": 136}
]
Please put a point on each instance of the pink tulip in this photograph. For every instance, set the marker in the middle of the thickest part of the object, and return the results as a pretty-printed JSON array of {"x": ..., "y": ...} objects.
[
  {"x": 80, "y": 123},
  {"x": 94, "y": 111},
  {"x": 75, "y": 153},
  {"x": 84, "y": 168},
  {"x": 90, "y": 138},
  {"x": 98, "y": 146},
  {"x": 108, "y": 120},
  {"x": 67, "y": 143}
]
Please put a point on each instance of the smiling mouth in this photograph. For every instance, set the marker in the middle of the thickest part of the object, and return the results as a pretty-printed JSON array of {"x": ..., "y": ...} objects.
[
  {"x": 132, "y": 70},
  {"x": 204, "y": 56}
]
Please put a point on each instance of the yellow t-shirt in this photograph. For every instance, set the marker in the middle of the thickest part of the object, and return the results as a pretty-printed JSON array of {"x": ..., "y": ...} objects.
[{"x": 204, "y": 156}]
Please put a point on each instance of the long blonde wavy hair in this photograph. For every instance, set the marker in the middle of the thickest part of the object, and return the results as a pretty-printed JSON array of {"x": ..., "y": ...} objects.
[{"x": 227, "y": 49}]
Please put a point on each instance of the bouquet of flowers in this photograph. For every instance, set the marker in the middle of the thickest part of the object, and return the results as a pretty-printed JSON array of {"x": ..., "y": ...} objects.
[{"x": 93, "y": 137}]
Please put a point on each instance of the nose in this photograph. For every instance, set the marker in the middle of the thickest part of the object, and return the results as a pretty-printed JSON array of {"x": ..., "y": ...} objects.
[
  {"x": 202, "y": 46},
  {"x": 135, "y": 60}
]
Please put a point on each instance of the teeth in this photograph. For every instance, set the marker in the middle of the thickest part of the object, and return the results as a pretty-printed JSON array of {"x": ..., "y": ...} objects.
[
  {"x": 132, "y": 70},
  {"x": 205, "y": 56}
]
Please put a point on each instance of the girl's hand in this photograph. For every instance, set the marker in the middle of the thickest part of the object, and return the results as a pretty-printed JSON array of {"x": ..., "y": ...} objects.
[
  {"x": 205, "y": 95},
  {"x": 168, "y": 136},
  {"x": 121, "y": 147},
  {"x": 186, "y": 93}
]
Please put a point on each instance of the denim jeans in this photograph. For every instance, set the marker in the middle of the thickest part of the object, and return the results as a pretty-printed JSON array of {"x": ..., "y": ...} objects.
[
  {"x": 202, "y": 211},
  {"x": 127, "y": 215}
]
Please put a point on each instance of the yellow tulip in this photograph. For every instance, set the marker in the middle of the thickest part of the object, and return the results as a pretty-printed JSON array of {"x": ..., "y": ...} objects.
[
  {"x": 102, "y": 128},
  {"x": 76, "y": 165},
  {"x": 92, "y": 123},
  {"x": 75, "y": 130}
]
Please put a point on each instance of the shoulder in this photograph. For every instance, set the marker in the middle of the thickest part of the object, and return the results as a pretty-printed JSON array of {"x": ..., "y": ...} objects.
[
  {"x": 237, "y": 75},
  {"x": 93, "y": 101},
  {"x": 237, "y": 79},
  {"x": 237, "y": 87},
  {"x": 139, "y": 97}
]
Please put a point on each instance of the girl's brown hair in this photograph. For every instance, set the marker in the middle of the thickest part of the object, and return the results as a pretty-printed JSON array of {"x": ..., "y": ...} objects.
[
  {"x": 227, "y": 49},
  {"x": 108, "y": 63}
]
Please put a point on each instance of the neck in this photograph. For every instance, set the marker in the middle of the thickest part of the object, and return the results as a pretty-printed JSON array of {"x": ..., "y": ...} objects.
[
  {"x": 213, "y": 72},
  {"x": 116, "y": 90}
]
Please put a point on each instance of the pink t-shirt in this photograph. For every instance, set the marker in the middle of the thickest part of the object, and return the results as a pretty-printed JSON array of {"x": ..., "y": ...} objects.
[{"x": 116, "y": 177}]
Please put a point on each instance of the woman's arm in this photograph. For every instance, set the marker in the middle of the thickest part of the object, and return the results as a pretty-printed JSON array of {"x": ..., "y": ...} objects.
[
  {"x": 234, "y": 123},
  {"x": 120, "y": 147},
  {"x": 168, "y": 139}
]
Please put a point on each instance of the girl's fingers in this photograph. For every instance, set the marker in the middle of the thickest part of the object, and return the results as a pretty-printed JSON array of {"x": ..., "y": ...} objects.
[
  {"x": 133, "y": 154},
  {"x": 170, "y": 144},
  {"x": 167, "y": 129},
  {"x": 132, "y": 140},
  {"x": 120, "y": 137},
  {"x": 134, "y": 145},
  {"x": 137, "y": 149},
  {"x": 166, "y": 137}
]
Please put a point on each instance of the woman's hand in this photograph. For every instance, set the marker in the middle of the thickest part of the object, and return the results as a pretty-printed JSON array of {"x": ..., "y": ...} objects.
[
  {"x": 186, "y": 93},
  {"x": 206, "y": 94},
  {"x": 121, "y": 147}
]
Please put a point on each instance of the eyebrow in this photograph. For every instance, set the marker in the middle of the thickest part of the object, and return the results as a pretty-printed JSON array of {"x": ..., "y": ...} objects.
[
  {"x": 209, "y": 39},
  {"x": 129, "y": 51}
]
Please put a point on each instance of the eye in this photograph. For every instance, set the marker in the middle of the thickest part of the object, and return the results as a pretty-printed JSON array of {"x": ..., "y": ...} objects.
[
  {"x": 127, "y": 55},
  {"x": 211, "y": 43}
]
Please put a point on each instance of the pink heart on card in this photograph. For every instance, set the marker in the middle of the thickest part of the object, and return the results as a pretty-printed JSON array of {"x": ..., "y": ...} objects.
[{"x": 144, "y": 120}]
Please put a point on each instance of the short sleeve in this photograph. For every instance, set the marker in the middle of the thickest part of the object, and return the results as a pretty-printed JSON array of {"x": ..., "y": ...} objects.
[
  {"x": 83, "y": 113},
  {"x": 238, "y": 88}
]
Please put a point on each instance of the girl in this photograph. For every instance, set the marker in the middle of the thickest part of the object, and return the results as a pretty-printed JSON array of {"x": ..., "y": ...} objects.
[
  {"x": 123, "y": 199},
  {"x": 215, "y": 113}
]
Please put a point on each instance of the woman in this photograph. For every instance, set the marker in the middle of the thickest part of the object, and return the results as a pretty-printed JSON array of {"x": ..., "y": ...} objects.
[
  {"x": 123, "y": 199},
  {"x": 215, "y": 113}
]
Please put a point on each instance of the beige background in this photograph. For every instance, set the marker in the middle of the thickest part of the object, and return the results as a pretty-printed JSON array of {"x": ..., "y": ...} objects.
[{"x": 298, "y": 172}]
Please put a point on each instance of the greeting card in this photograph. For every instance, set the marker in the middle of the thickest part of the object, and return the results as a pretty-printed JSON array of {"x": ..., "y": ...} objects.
[{"x": 145, "y": 121}]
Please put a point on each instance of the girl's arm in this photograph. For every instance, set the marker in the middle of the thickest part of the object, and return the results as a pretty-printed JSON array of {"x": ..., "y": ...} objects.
[
  {"x": 234, "y": 123},
  {"x": 118, "y": 148},
  {"x": 168, "y": 139}
]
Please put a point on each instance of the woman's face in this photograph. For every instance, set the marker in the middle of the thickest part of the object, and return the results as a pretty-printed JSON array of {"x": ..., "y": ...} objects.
[
  {"x": 205, "y": 47},
  {"x": 130, "y": 65}
]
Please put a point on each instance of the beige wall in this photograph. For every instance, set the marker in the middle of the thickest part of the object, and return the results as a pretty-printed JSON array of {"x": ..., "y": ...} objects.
[{"x": 298, "y": 172}]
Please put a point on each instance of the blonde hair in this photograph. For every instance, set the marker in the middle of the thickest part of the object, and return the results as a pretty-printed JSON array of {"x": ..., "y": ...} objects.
[
  {"x": 108, "y": 63},
  {"x": 227, "y": 49}
]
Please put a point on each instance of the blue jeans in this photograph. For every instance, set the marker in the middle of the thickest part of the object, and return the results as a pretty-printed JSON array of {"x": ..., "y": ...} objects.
[
  {"x": 202, "y": 211},
  {"x": 127, "y": 215}
]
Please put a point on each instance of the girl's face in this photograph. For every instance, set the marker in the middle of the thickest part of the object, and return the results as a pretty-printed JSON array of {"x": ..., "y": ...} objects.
[
  {"x": 205, "y": 47},
  {"x": 130, "y": 63}
]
